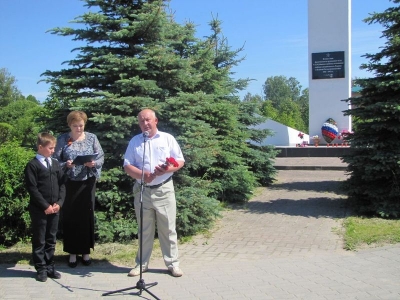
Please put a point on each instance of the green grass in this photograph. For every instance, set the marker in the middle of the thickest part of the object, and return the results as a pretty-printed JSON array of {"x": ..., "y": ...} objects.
[
  {"x": 115, "y": 253},
  {"x": 361, "y": 232}
]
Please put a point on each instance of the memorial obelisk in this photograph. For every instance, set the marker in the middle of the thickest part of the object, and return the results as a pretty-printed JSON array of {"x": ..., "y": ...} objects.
[{"x": 329, "y": 55}]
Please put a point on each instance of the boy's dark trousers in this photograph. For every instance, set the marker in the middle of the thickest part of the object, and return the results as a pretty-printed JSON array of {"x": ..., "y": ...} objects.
[{"x": 44, "y": 229}]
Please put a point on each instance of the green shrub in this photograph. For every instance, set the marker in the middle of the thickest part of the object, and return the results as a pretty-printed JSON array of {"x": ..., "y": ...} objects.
[
  {"x": 5, "y": 132},
  {"x": 196, "y": 211},
  {"x": 118, "y": 228},
  {"x": 14, "y": 199},
  {"x": 115, "y": 213}
]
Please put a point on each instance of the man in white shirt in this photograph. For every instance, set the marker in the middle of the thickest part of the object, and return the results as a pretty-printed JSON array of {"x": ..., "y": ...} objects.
[{"x": 158, "y": 199}]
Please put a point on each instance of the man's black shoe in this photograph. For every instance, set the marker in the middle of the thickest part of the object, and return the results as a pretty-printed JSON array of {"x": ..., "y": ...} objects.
[
  {"x": 41, "y": 276},
  {"x": 54, "y": 274}
]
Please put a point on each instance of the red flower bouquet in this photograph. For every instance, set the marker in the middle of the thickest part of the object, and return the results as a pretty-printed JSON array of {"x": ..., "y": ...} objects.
[{"x": 170, "y": 161}]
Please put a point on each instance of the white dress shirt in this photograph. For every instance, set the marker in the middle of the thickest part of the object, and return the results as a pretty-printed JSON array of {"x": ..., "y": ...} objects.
[
  {"x": 42, "y": 159},
  {"x": 156, "y": 150}
]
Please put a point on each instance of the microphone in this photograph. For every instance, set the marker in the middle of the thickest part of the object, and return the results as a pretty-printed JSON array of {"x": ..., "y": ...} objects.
[{"x": 146, "y": 134}]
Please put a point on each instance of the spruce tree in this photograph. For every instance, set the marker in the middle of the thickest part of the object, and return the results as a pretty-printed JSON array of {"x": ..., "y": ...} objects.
[
  {"x": 374, "y": 164},
  {"x": 137, "y": 56}
]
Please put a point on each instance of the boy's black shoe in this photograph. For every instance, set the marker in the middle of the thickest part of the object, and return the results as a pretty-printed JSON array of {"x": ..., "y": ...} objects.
[
  {"x": 41, "y": 276},
  {"x": 54, "y": 274}
]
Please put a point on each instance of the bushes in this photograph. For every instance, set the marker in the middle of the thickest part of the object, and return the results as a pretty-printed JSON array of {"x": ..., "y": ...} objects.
[
  {"x": 115, "y": 213},
  {"x": 5, "y": 132},
  {"x": 118, "y": 228},
  {"x": 195, "y": 211},
  {"x": 14, "y": 199}
]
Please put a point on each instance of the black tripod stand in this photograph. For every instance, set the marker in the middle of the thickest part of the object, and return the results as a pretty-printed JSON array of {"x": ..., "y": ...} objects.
[{"x": 140, "y": 285}]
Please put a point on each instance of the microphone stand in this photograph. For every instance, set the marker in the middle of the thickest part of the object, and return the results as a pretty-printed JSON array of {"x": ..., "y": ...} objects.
[{"x": 140, "y": 285}]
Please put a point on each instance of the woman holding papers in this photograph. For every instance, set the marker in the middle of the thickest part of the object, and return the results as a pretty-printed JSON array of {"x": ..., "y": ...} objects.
[{"x": 81, "y": 156}]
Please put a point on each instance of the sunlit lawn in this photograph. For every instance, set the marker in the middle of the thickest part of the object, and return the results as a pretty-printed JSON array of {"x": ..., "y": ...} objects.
[
  {"x": 363, "y": 232},
  {"x": 116, "y": 253}
]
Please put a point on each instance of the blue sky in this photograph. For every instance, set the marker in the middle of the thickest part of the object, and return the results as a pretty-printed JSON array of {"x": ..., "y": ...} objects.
[{"x": 273, "y": 33}]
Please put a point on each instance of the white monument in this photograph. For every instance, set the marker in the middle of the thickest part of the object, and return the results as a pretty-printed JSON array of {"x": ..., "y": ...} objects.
[{"x": 329, "y": 52}]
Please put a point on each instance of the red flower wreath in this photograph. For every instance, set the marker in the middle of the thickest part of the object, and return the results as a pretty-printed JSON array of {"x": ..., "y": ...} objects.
[{"x": 170, "y": 161}]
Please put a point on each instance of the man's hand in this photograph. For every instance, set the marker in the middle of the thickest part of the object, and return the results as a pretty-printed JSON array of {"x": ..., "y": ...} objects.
[
  {"x": 159, "y": 170},
  {"x": 149, "y": 177}
]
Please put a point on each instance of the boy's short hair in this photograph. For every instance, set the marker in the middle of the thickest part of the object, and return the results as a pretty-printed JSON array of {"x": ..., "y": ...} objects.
[
  {"x": 76, "y": 115},
  {"x": 45, "y": 138}
]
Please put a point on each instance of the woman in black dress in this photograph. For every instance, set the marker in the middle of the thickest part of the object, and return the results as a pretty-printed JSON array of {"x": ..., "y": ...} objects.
[{"x": 78, "y": 209}]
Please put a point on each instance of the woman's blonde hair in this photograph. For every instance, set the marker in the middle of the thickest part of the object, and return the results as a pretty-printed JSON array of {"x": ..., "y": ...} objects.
[{"x": 76, "y": 115}]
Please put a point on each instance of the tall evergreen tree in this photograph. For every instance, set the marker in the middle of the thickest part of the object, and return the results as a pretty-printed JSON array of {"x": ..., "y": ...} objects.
[
  {"x": 374, "y": 165},
  {"x": 137, "y": 56}
]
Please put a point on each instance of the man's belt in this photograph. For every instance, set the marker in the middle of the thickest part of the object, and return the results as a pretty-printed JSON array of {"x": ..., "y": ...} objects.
[{"x": 156, "y": 186}]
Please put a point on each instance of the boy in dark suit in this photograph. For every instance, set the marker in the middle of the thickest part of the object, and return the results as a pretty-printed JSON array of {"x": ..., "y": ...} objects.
[{"x": 45, "y": 184}]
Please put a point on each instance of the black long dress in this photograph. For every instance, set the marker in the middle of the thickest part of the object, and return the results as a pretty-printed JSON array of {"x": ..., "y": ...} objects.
[
  {"x": 78, "y": 210},
  {"x": 78, "y": 216}
]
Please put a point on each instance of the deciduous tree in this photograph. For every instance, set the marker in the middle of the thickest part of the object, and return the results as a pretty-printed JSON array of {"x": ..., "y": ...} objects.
[
  {"x": 285, "y": 102},
  {"x": 8, "y": 89}
]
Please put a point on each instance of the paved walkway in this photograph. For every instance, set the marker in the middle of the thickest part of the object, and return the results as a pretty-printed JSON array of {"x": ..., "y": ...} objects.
[{"x": 282, "y": 245}]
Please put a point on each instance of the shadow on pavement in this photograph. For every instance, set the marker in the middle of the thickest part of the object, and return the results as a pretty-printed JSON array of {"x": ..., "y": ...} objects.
[
  {"x": 14, "y": 270},
  {"x": 8, "y": 271},
  {"x": 310, "y": 207},
  {"x": 331, "y": 186}
]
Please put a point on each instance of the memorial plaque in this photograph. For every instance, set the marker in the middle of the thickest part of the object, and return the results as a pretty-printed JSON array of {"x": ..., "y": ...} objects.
[{"x": 328, "y": 65}]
